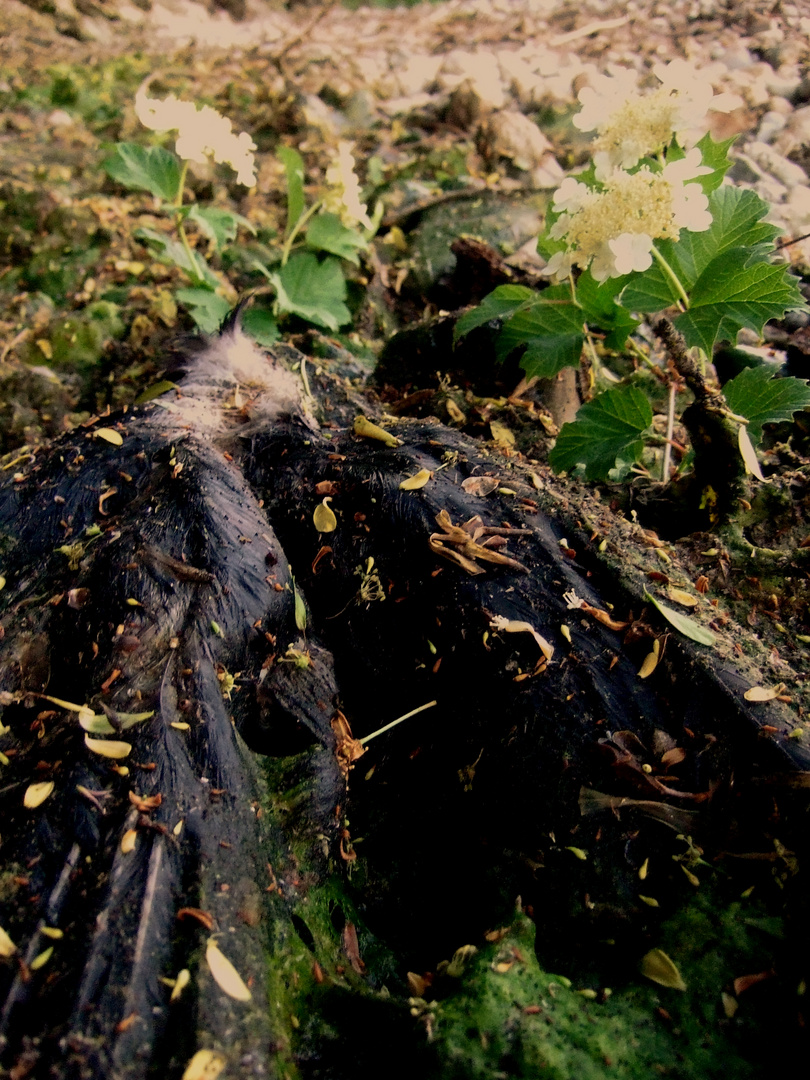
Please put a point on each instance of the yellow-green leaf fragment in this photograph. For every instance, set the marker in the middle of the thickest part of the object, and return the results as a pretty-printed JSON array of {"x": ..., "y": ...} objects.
[
  {"x": 155, "y": 390},
  {"x": 502, "y": 434},
  {"x": 180, "y": 983},
  {"x": 225, "y": 974},
  {"x": 205, "y": 1065},
  {"x": 36, "y": 794},
  {"x": 578, "y": 853},
  {"x": 417, "y": 481},
  {"x": 300, "y": 606},
  {"x": 98, "y": 724},
  {"x": 7, "y": 946},
  {"x": 686, "y": 626},
  {"x": 109, "y": 435},
  {"x": 365, "y": 428},
  {"x": 109, "y": 748},
  {"x": 324, "y": 517},
  {"x": 658, "y": 968},
  {"x": 42, "y": 959}
]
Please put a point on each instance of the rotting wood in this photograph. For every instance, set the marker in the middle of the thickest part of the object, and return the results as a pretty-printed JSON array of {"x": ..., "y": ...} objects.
[{"x": 189, "y": 593}]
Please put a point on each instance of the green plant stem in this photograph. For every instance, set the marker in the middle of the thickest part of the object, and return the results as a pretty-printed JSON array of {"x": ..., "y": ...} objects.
[
  {"x": 192, "y": 258},
  {"x": 407, "y": 716},
  {"x": 178, "y": 201},
  {"x": 296, "y": 229},
  {"x": 635, "y": 348},
  {"x": 673, "y": 277}
]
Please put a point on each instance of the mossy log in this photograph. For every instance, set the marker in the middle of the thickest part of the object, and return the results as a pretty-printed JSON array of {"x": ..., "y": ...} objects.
[{"x": 165, "y": 564}]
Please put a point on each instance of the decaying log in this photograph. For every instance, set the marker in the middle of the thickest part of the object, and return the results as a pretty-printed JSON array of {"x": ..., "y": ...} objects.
[{"x": 166, "y": 561}]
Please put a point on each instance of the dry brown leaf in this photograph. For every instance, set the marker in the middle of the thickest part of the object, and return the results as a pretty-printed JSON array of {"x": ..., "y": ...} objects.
[
  {"x": 145, "y": 804},
  {"x": 760, "y": 693},
  {"x": 197, "y": 913},
  {"x": 352, "y": 948},
  {"x": 479, "y": 485},
  {"x": 681, "y": 597}
]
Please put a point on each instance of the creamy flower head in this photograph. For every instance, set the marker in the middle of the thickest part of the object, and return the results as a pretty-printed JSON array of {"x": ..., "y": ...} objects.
[
  {"x": 612, "y": 230},
  {"x": 344, "y": 195},
  {"x": 631, "y": 125},
  {"x": 201, "y": 133}
]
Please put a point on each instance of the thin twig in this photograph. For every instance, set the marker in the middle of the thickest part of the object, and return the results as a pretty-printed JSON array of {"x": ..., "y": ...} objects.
[{"x": 394, "y": 723}]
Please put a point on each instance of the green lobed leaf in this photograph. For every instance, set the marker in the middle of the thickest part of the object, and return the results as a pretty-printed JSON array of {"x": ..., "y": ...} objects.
[
  {"x": 294, "y": 167},
  {"x": 715, "y": 155},
  {"x": 146, "y": 168},
  {"x": 686, "y": 626},
  {"x": 551, "y": 330},
  {"x": 259, "y": 324},
  {"x": 312, "y": 289},
  {"x": 499, "y": 304},
  {"x": 218, "y": 225},
  {"x": 171, "y": 252},
  {"x": 206, "y": 308},
  {"x": 607, "y": 428},
  {"x": 736, "y": 290},
  {"x": 600, "y": 310},
  {"x": 763, "y": 399},
  {"x": 736, "y": 222},
  {"x": 326, "y": 232}
]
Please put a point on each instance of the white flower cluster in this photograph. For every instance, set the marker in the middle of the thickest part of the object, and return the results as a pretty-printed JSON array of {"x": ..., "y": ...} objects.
[
  {"x": 611, "y": 228},
  {"x": 201, "y": 133},
  {"x": 631, "y": 125},
  {"x": 344, "y": 195}
]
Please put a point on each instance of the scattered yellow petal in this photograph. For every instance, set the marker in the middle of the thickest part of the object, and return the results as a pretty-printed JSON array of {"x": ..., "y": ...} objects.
[
  {"x": 180, "y": 983},
  {"x": 650, "y": 901},
  {"x": 53, "y": 932},
  {"x": 2, "y": 582},
  {"x": 681, "y": 597},
  {"x": 45, "y": 348},
  {"x": 180, "y": 725},
  {"x": 578, "y": 853},
  {"x": 225, "y": 974},
  {"x": 109, "y": 748},
  {"x": 364, "y": 427},
  {"x": 515, "y": 626},
  {"x": 324, "y": 517},
  {"x": 730, "y": 1005},
  {"x": 643, "y": 870},
  {"x": 749, "y": 454},
  {"x": 42, "y": 959},
  {"x": 7, "y": 946},
  {"x": 109, "y": 435},
  {"x": 178, "y": 828},
  {"x": 128, "y": 841},
  {"x": 133, "y": 602},
  {"x": 502, "y": 435},
  {"x": 759, "y": 693},
  {"x": 417, "y": 481},
  {"x": 658, "y": 967},
  {"x": 36, "y": 794},
  {"x": 650, "y": 661},
  {"x": 205, "y": 1065},
  {"x": 566, "y": 633}
]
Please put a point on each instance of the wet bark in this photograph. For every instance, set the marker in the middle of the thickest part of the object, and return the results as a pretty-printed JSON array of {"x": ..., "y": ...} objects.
[{"x": 181, "y": 574}]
